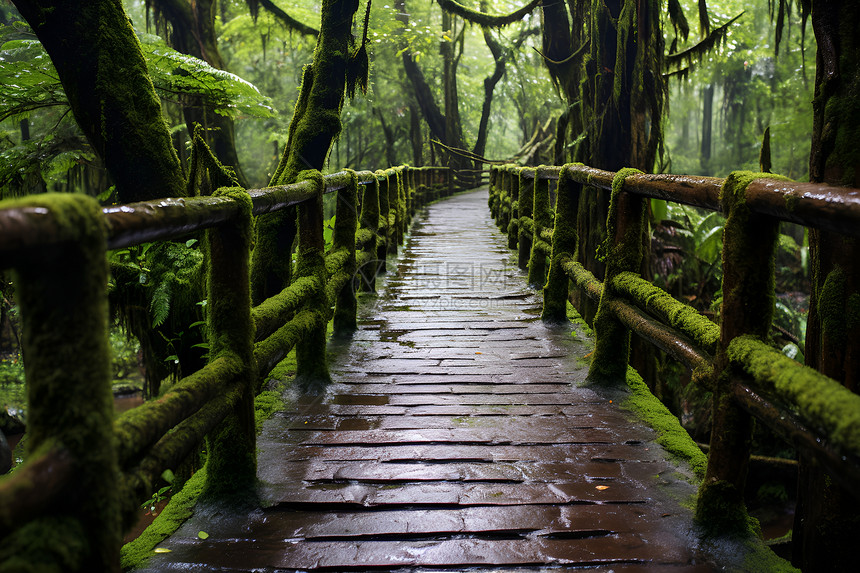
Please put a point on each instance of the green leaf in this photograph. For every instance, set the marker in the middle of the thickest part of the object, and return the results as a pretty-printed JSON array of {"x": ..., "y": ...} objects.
[
  {"x": 175, "y": 74},
  {"x": 167, "y": 475},
  {"x": 659, "y": 210},
  {"x": 202, "y": 535},
  {"x": 190, "y": 242}
]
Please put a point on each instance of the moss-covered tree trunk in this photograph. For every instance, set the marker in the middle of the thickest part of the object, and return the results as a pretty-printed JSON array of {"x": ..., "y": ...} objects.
[
  {"x": 828, "y": 516},
  {"x": 193, "y": 33},
  {"x": 104, "y": 75},
  {"x": 315, "y": 125}
]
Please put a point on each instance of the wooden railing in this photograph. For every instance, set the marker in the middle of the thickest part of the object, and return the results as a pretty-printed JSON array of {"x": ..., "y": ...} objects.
[
  {"x": 748, "y": 377},
  {"x": 87, "y": 473}
]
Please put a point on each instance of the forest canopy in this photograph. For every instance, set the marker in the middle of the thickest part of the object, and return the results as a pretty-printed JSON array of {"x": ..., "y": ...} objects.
[{"x": 717, "y": 112}]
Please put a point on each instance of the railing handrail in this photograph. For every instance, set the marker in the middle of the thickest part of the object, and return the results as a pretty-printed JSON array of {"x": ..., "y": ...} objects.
[
  {"x": 818, "y": 423},
  {"x": 817, "y": 205}
]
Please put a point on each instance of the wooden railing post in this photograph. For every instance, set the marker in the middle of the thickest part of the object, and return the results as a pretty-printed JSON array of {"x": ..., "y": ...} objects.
[
  {"x": 61, "y": 290},
  {"x": 384, "y": 229},
  {"x": 526, "y": 204},
  {"x": 564, "y": 243},
  {"x": 542, "y": 219},
  {"x": 623, "y": 253},
  {"x": 393, "y": 214},
  {"x": 231, "y": 464},
  {"x": 369, "y": 220},
  {"x": 491, "y": 201},
  {"x": 311, "y": 366},
  {"x": 345, "y": 226},
  {"x": 513, "y": 227},
  {"x": 749, "y": 247}
]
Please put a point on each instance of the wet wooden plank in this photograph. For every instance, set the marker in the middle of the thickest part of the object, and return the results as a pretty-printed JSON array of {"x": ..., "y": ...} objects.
[
  {"x": 436, "y": 453},
  {"x": 335, "y": 555},
  {"x": 451, "y": 494}
]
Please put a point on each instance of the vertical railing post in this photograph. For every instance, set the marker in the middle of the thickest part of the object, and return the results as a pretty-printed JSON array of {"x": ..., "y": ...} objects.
[
  {"x": 408, "y": 193},
  {"x": 749, "y": 248},
  {"x": 369, "y": 220},
  {"x": 231, "y": 463},
  {"x": 345, "y": 224},
  {"x": 383, "y": 230},
  {"x": 311, "y": 367},
  {"x": 526, "y": 204},
  {"x": 491, "y": 201},
  {"x": 542, "y": 220},
  {"x": 401, "y": 205},
  {"x": 513, "y": 227},
  {"x": 501, "y": 208},
  {"x": 61, "y": 292},
  {"x": 564, "y": 242},
  {"x": 623, "y": 252},
  {"x": 393, "y": 213}
]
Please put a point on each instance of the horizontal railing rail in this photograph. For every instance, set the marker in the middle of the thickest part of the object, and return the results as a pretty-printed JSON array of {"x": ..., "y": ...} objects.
[
  {"x": 93, "y": 470},
  {"x": 732, "y": 359}
]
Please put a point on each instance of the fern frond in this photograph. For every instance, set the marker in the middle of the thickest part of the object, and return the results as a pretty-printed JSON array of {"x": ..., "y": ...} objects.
[
  {"x": 695, "y": 53},
  {"x": 160, "y": 303}
]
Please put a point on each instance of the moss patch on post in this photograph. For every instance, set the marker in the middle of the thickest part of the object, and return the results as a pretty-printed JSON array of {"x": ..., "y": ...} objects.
[
  {"x": 564, "y": 243},
  {"x": 231, "y": 461},
  {"x": 622, "y": 251},
  {"x": 62, "y": 296}
]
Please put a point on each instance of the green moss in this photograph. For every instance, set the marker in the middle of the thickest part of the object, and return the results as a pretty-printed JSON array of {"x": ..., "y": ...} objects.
[
  {"x": 831, "y": 306},
  {"x": 612, "y": 347},
  {"x": 181, "y": 506},
  {"x": 62, "y": 297},
  {"x": 274, "y": 311},
  {"x": 821, "y": 402},
  {"x": 542, "y": 220},
  {"x": 670, "y": 434},
  {"x": 759, "y": 558},
  {"x": 564, "y": 244},
  {"x": 231, "y": 446},
  {"x": 46, "y": 545},
  {"x": 661, "y": 304},
  {"x": 720, "y": 511}
]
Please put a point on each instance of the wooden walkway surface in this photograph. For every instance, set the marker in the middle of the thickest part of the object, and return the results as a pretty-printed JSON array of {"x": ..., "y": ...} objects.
[{"x": 456, "y": 437}]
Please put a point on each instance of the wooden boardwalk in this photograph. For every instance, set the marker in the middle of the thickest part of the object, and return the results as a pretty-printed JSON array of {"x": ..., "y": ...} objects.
[{"x": 456, "y": 437}]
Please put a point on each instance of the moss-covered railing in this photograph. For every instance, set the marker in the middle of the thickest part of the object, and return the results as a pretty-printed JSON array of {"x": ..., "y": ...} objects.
[
  {"x": 748, "y": 377},
  {"x": 87, "y": 473}
]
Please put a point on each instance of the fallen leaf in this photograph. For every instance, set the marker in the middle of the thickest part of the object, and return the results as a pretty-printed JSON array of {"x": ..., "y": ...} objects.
[
  {"x": 477, "y": 353},
  {"x": 602, "y": 487},
  {"x": 202, "y": 535},
  {"x": 162, "y": 550}
]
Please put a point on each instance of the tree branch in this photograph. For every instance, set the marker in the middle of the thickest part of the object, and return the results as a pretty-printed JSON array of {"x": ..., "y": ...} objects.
[
  {"x": 287, "y": 20},
  {"x": 489, "y": 20}
]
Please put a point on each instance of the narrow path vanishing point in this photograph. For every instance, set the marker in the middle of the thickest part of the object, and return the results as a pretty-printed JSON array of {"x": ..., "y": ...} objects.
[{"x": 454, "y": 437}]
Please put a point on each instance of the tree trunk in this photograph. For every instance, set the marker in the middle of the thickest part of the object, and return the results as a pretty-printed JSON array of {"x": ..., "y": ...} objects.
[
  {"x": 388, "y": 132},
  {"x": 707, "y": 127},
  {"x": 315, "y": 125},
  {"x": 193, "y": 33},
  {"x": 416, "y": 136},
  {"x": 104, "y": 75},
  {"x": 828, "y": 516}
]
